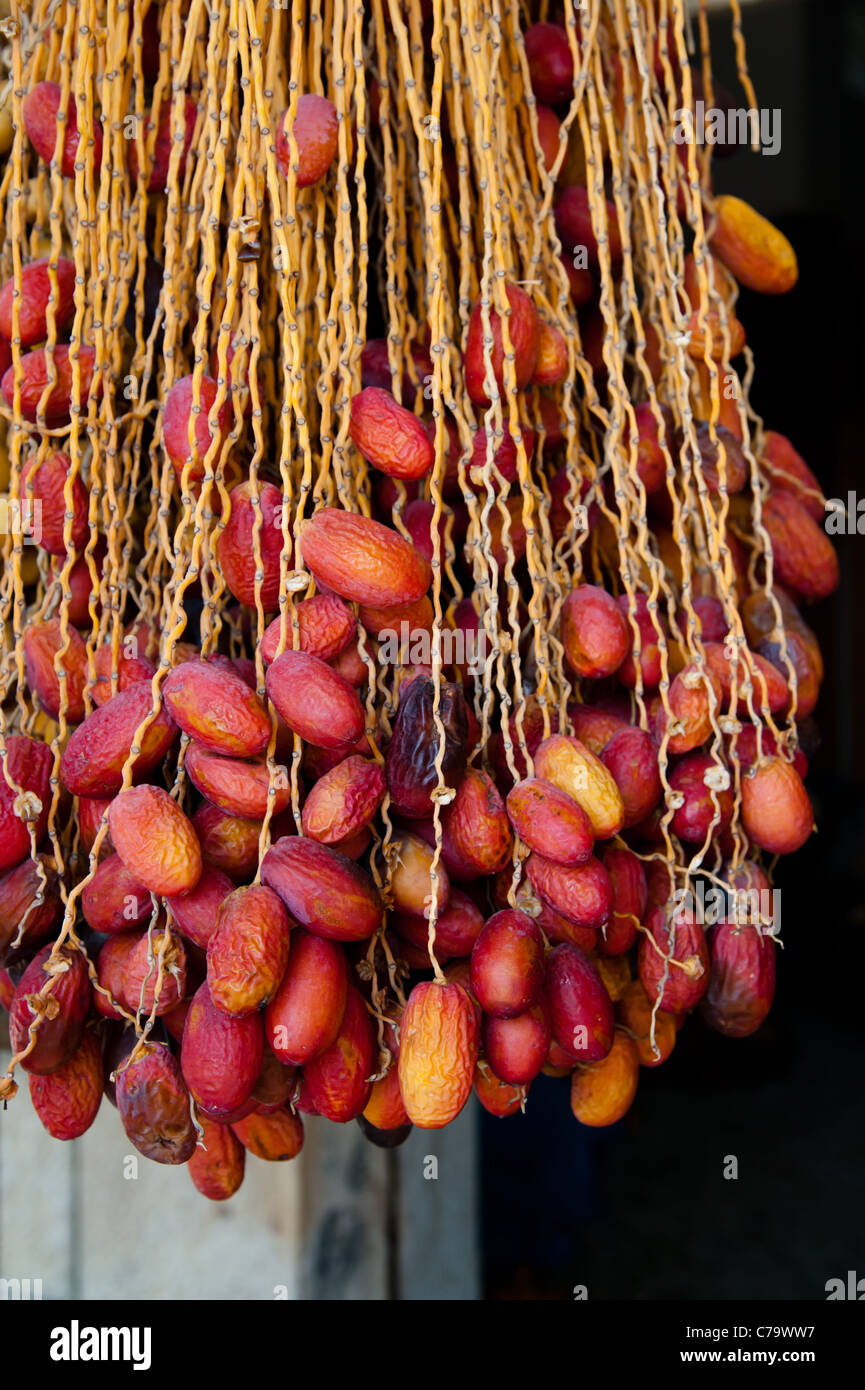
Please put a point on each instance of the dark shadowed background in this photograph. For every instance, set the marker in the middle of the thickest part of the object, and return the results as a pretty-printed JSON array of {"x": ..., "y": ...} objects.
[{"x": 643, "y": 1211}]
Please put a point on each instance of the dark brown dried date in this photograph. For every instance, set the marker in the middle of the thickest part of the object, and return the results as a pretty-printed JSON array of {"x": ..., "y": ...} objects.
[{"x": 411, "y": 756}]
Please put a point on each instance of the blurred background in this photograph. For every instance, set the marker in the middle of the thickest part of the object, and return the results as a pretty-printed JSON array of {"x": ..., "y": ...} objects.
[{"x": 643, "y": 1211}]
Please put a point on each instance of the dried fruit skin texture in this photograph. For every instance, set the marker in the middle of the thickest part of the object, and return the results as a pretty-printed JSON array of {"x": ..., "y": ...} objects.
[
  {"x": 275, "y": 1137},
  {"x": 760, "y": 257},
  {"x": 363, "y": 561},
  {"x": 324, "y": 891},
  {"x": 248, "y": 952},
  {"x": 217, "y": 708},
  {"x": 67, "y": 1100},
  {"x": 305, "y": 1015},
  {"x": 337, "y": 1079},
  {"x": 154, "y": 1106},
  {"x": 438, "y": 1053},
  {"x": 217, "y": 1168},
  {"x": 220, "y": 1056},
  {"x": 155, "y": 840},
  {"x": 390, "y": 437},
  {"x": 63, "y": 1012}
]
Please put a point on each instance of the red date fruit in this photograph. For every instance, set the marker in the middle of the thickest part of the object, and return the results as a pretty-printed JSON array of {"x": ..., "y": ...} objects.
[
  {"x": 153, "y": 1104},
  {"x": 61, "y": 1014},
  {"x": 456, "y": 929},
  {"x": 35, "y": 380},
  {"x": 216, "y": 1167},
  {"x": 30, "y": 907},
  {"x": 304, "y": 1017},
  {"x": 46, "y": 482},
  {"x": 276, "y": 1136},
  {"x": 42, "y": 642},
  {"x": 336, "y": 1081},
  {"x": 630, "y": 900},
  {"x": 390, "y": 437},
  {"x": 550, "y": 822},
  {"x": 228, "y": 843},
  {"x": 67, "y": 1100},
  {"x": 438, "y": 1053},
  {"x": 179, "y": 407},
  {"x": 551, "y": 64},
  {"x": 581, "y": 1014},
  {"x": 217, "y": 708},
  {"x": 524, "y": 332},
  {"x": 236, "y": 786},
  {"x": 326, "y": 626},
  {"x": 507, "y": 966},
  {"x": 595, "y": 633},
  {"x": 741, "y": 979},
  {"x": 141, "y": 968},
  {"x": 631, "y": 755},
  {"x": 166, "y": 122},
  {"x": 195, "y": 913},
  {"x": 575, "y": 228},
  {"x": 497, "y": 1097},
  {"x": 155, "y": 840},
  {"x": 114, "y": 900},
  {"x": 803, "y": 557},
  {"x": 248, "y": 952},
  {"x": 673, "y": 961},
  {"x": 236, "y": 545},
  {"x": 411, "y": 756},
  {"x": 344, "y": 800},
  {"x": 363, "y": 561},
  {"x": 316, "y": 134},
  {"x": 516, "y": 1048},
  {"x": 776, "y": 809},
  {"x": 28, "y": 764},
  {"x": 39, "y": 109},
  {"x": 92, "y": 762},
  {"x": 221, "y": 1056},
  {"x": 315, "y": 701},
  {"x": 110, "y": 965},
  {"x": 478, "y": 839},
  {"x": 323, "y": 889},
  {"x": 650, "y": 631},
  {"x": 583, "y": 894},
  {"x": 35, "y": 296},
  {"x": 697, "y": 814}
]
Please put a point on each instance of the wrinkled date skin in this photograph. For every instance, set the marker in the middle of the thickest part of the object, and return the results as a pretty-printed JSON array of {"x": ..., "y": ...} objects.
[
  {"x": 680, "y": 982},
  {"x": 141, "y": 973},
  {"x": 305, "y": 1014},
  {"x": 315, "y": 701},
  {"x": 248, "y": 952},
  {"x": 155, "y": 840},
  {"x": 571, "y": 767},
  {"x": 228, "y": 843},
  {"x": 337, "y": 1080},
  {"x": 524, "y": 330},
  {"x": 583, "y": 894},
  {"x": 362, "y": 560},
  {"x": 63, "y": 1012},
  {"x": 581, "y": 1014},
  {"x": 42, "y": 642},
  {"x": 35, "y": 380},
  {"x": 217, "y": 1165},
  {"x": 195, "y": 913},
  {"x": 220, "y": 1056},
  {"x": 28, "y": 765},
  {"x": 92, "y": 762},
  {"x": 595, "y": 632},
  {"x": 776, "y": 809},
  {"x": 478, "y": 838},
  {"x": 390, "y": 437},
  {"x": 276, "y": 1137},
  {"x": 114, "y": 900},
  {"x": 344, "y": 800},
  {"x": 631, "y": 756},
  {"x": 438, "y": 1053},
  {"x": 411, "y": 755},
  {"x": 216, "y": 708},
  {"x": 323, "y": 889},
  {"x": 236, "y": 545},
  {"x": 67, "y": 1100},
  {"x": 630, "y": 900},
  {"x": 325, "y": 624},
  {"x": 741, "y": 980},
  {"x": 456, "y": 929},
  {"x": 153, "y": 1104},
  {"x": 237, "y": 786},
  {"x": 550, "y": 821},
  {"x": 28, "y": 905}
]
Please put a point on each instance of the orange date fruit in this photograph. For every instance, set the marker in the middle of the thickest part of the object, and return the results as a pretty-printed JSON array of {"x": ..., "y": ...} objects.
[
  {"x": 758, "y": 254},
  {"x": 324, "y": 891},
  {"x": 217, "y": 708},
  {"x": 363, "y": 561},
  {"x": 67, "y": 1100},
  {"x": 216, "y": 1167},
  {"x": 438, "y": 1053},
  {"x": 248, "y": 952},
  {"x": 604, "y": 1091},
  {"x": 155, "y": 840}
]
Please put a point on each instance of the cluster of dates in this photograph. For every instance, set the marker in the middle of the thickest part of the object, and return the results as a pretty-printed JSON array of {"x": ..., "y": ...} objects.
[{"x": 222, "y": 981}]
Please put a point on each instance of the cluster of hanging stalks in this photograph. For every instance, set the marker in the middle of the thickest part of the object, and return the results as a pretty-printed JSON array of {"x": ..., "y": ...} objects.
[{"x": 401, "y": 597}]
